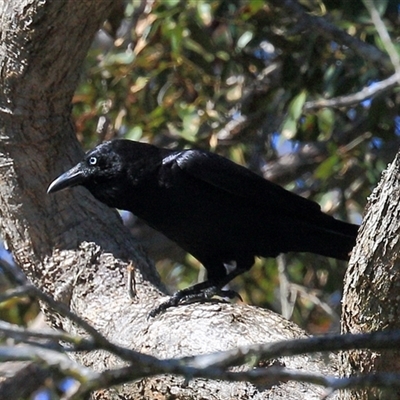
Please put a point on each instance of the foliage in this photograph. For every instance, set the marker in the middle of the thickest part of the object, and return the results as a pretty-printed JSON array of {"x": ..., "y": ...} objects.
[{"x": 243, "y": 78}]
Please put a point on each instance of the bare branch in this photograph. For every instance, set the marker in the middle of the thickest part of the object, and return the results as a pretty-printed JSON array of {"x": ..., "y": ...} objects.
[
  {"x": 384, "y": 35},
  {"x": 215, "y": 366},
  {"x": 100, "y": 341},
  {"x": 211, "y": 366},
  {"x": 26, "y": 335},
  {"x": 356, "y": 98},
  {"x": 326, "y": 29},
  {"x": 266, "y": 351},
  {"x": 259, "y": 376},
  {"x": 50, "y": 358}
]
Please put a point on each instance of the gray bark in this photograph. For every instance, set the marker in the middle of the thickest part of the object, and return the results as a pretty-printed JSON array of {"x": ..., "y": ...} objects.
[
  {"x": 371, "y": 300},
  {"x": 77, "y": 249}
]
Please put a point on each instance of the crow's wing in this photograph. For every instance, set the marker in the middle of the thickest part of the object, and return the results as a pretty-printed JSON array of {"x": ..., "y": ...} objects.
[{"x": 239, "y": 181}]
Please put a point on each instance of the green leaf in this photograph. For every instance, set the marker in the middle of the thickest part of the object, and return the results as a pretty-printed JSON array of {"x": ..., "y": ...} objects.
[
  {"x": 296, "y": 105},
  {"x": 171, "y": 3},
  {"x": 326, "y": 119},
  {"x": 244, "y": 39},
  {"x": 289, "y": 126},
  {"x": 328, "y": 167},
  {"x": 135, "y": 133}
]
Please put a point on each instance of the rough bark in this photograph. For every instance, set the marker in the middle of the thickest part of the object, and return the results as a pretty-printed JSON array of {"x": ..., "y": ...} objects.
[
  {"x": 75, "y": 248},
  {"x": 371, "y": 300}
]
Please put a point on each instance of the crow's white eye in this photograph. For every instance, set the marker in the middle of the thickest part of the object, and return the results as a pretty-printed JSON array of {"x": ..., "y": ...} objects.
[{"x": 92, "y": 160}]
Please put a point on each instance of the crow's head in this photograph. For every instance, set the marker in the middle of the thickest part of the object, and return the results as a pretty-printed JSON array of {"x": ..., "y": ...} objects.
[{"x": 99, "y": 172}]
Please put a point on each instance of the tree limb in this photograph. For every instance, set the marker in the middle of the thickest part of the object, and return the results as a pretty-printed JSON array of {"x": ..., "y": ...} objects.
[
  {"x": 331, "y": 32},
  {"x": 368, "y": 92}
]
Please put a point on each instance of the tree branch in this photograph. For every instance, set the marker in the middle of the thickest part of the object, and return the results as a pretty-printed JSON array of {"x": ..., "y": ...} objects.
[
  {"x": 327, "y": 30},
  {"x": 368, "y": 92},
  {"x": 212, "y": 366},
  {"x": 384, "y": 35}
]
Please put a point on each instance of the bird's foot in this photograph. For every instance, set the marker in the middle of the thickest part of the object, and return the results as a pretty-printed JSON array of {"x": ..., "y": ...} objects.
[{"x": 200, "y": 292}]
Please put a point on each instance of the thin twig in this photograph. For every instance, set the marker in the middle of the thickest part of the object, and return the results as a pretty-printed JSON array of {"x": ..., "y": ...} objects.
[
  {"x": 51, "y": 358},
  {"x": 267, "y": 351},
  {"x": 25, "y": 335},
  {"x": 355, "y": 98},
  {"x": 286, "y": 294},
  {"x": 98, "y": 338},
  {"x": 259, "y": 376},
  {"x": 330, "y": 31},
  {"x": 384, "y": 35}
]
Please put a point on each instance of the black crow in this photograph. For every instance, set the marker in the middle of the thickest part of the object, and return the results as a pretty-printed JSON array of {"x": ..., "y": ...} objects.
[{"x": 216, "y": 210}]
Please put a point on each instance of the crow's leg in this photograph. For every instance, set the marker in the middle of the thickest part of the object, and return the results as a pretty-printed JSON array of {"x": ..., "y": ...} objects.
[{"x": 199, "y": 292}]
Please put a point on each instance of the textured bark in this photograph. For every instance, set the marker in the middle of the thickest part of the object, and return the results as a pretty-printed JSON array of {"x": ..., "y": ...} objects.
[
  {"x": 371, "y": 300},
  {"x": 75, "y": 248}
]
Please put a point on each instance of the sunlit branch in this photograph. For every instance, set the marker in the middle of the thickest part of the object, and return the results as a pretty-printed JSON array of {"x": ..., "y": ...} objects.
[{"x": 355, "y": 98}]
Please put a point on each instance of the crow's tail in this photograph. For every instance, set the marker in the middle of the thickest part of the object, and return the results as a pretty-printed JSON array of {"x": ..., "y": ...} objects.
[{"x": 332, "y": 238}]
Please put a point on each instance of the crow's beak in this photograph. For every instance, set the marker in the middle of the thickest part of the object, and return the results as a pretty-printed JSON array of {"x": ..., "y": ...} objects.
[{"x": 72, "y": 177}]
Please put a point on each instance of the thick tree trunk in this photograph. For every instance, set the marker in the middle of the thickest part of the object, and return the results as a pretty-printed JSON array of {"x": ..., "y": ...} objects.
[
  {"x": 75, "y": 248},
  {"x": 59, "y": 240},
  {"x": 371, "y": 300}
]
